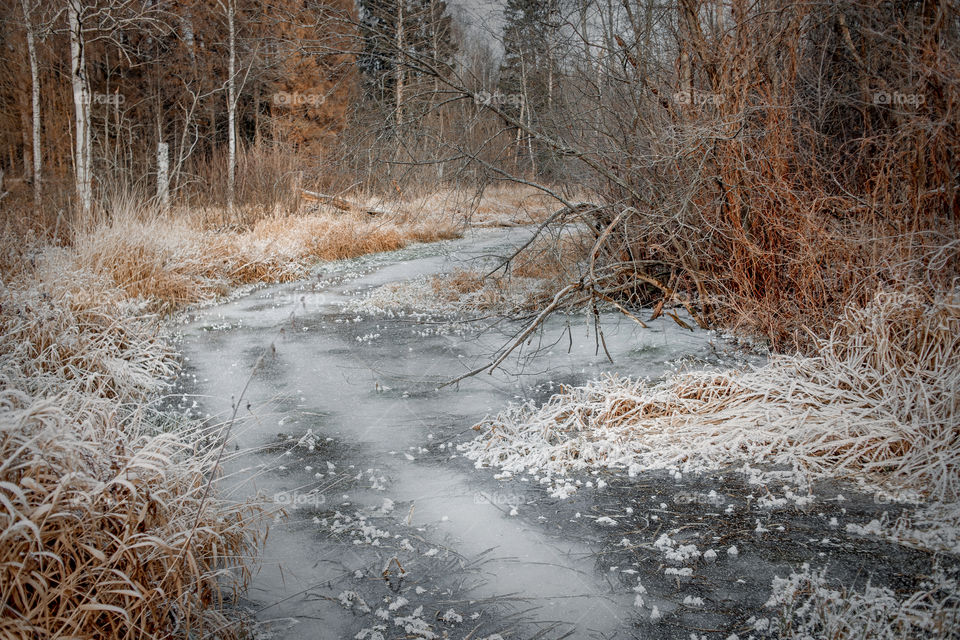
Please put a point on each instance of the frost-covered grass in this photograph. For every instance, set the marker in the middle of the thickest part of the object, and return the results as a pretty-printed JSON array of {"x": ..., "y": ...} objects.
[
  {"x": 454, "y": 293},
  {"x": 529, "y": 280},
  {"x": 169, "y": 261},
  {"x": 807, "y": 605},
  {"x": 879, "y": 403},
  {"x": 109, "y": 527},
  {"x": 69, "y": 333}
]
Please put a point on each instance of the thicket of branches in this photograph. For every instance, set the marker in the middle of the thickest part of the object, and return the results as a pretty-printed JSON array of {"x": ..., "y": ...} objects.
[
  {"x": 763, "y": 163},
  {"x": 792, "y": 158}
]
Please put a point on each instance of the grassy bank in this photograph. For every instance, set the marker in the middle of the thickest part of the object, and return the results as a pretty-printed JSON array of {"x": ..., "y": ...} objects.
[{"x": 108, "y": 527}]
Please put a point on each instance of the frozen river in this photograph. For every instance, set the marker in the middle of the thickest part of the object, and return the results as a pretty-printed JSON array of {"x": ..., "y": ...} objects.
[{"x": 390, "y": 533}]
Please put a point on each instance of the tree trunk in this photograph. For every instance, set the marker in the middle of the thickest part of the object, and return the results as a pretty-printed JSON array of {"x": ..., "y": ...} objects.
[
  {"x": 231, "y": 110},
  {"x": 25, "y": 137},
  {"x": 401, "y": 45},
  {"x": 163, "y": 175},
  {"x": 81, "y": 102},
  {"x": 435, "y": 36}
]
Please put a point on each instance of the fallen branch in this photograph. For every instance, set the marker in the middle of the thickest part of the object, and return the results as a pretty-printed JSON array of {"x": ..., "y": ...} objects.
[
  {"x": 340, "y": 203},
  {"x": 550, "y": 308}
]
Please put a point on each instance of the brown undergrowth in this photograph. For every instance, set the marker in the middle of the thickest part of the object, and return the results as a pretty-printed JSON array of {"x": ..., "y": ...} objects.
[{"x": 105, "y": 529}]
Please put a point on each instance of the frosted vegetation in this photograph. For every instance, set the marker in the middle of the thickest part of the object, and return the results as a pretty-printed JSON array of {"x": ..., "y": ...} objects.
[{"x": 877, "y": 404}]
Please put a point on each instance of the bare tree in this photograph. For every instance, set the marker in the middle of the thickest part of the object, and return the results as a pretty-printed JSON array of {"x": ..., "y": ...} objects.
[
  {"x": 35, "y": 103},
  {"x": 89, "y": 22},
  {"x": 230, "y": 10},
  {"x": 83, "y": 148}
]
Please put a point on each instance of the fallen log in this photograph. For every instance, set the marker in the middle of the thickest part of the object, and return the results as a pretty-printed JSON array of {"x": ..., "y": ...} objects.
[{"x": 340, "y": 203}]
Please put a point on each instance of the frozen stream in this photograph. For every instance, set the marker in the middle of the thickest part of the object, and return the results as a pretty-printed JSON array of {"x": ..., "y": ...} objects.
[{"x": 387, "y": 525}]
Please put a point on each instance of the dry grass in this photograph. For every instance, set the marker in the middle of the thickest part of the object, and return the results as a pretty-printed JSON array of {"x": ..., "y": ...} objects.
[
  {"x": 169, "y": 264},
  {"x": 507, "y": 204},
  {"x": 457, "y": 284},
  {"x": 879, "y": 402},
  {"x": 808, "y": 604},
  {"x": 499, "y": 205},
  {"x": 70, "y": 333},
  {"x": 170, "y": 261},
  {"x": 339, "y": 236},
  {"x": 526, "y": 282},
  {"x": 556, "y": 261},
  {"x": 110, "y": 541},
  {"x": 529, "y": 280},
  {"x": 101, "y": 541},
  {"x": 469, "y": 290}
]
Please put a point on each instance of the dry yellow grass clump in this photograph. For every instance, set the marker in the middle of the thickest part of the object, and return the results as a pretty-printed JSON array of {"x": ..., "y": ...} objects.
[
  {"x": 107, "y": 531},
  {"x": 467, "y": 289},
  {"x": 68, "y": 332},
  {"x": 509, "y": 204},
  {"x": 555, "y": 260},
  {"x": 531, "y": 278},
  {"x": 335, "y": 237},
  {"x": 169, "y": 261}
]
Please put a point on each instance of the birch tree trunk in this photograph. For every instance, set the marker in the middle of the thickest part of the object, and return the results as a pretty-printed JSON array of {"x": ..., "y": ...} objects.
[
  {"x": 81, "y": 102},
  {"x": 232, "y": 110},
  {"x": 401, "y": 47},
  {"x": 163, "y": 175},
  {"x": 435, "y": 36},
  {"x": 25, "y": 136}
]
